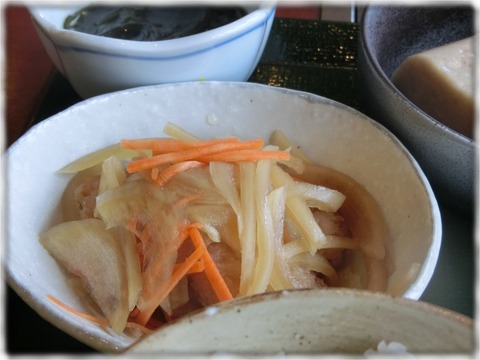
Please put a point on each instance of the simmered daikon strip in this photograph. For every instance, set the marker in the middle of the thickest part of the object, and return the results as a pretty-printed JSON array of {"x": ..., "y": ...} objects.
[
  {"x": 178, "y": 132},
  {"x": 118, "y": 206},
  {"x": 211, "y": 216},
  {"x": 294, "y": 247},
  {"x": 360, "y": 210},
  {"x": 212, "y": 232},
  {"x": 224, "y": 178},
  {"x": 298, "y": 210},
  {"x": 160, "y": 222},
  {"x": 279, "y": 139},
  {"x": 317, "y": 263},
  {"x": 87, "y": 249},
  {"x": 132, "y": 263},
  {"x": 295, "y": 163},
  {"x": 78, "y": 198},
  {"x": 317, "y": 196},
  {"x": 281, "y": 277},
  {"x": 97, "y": 157},
  {"x": 159, "y": 258},
  {"x": 196, "y": 181},
  {"x": 113, "y": 174},
  {"x": 248, "y": 233},
  {"x": 265, "y": 242}
]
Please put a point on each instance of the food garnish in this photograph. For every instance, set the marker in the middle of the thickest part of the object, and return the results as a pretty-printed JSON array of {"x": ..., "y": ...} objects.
[{"x": 156, "y": 228}]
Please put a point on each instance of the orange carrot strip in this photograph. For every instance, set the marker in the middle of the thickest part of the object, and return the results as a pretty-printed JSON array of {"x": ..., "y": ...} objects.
[
  {"x": 246, "y": 155},
  {"x": 182, "y": 268},
  {"x": 179, "y": 271},
  {"x": 138, "y": 144},
  {"x": 191, "y": 154},
  {"x": 182, "y": 235},
  {"x": 164, "y": 176},
  {"x": 166, "y": 145},
  {"x": 91, "y": 318},
  {"x": 213, "y": 274},
  {"x": 193, "y": 267},
  {"x": 199, "y": 266},
  {"x": 154, "y": 173},
  {"x": 94, "y": 319},
  {"x": 188, "y": 145}
]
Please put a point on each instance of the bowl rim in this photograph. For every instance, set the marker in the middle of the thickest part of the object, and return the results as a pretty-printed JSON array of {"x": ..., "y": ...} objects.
[
  {"x": 71, "y": 39},
  {"x": 333, "y": 292},
  {"x": 365, "y": 45}
]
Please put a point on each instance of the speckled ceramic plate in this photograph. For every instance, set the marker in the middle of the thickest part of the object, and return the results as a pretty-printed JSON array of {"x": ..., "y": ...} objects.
[
  {"x": 314, "y": 322},
  {"x": 329, "y": 132}
]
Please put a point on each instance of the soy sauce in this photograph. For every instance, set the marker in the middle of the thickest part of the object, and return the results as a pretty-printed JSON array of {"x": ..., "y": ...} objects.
[{"x": 147, "y": 23}]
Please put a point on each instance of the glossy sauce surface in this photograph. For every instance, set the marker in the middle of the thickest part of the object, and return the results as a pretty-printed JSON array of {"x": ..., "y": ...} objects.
[{"x": 146, "y": 23}]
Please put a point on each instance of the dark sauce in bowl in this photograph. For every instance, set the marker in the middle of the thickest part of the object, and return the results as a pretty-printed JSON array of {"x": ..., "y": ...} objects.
[{"x": 147, "y": 23}]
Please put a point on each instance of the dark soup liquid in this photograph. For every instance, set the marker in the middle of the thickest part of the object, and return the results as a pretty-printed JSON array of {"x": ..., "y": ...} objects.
[{"x": 145, "y": 23}]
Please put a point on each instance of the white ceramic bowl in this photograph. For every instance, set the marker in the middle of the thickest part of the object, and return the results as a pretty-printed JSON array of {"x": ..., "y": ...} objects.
[
  {"x": 95, "y": 65},
  {"x": 314, "y": 322},
  {"x": 330, "y": 133},
  {"x": 388, "y": 35}
]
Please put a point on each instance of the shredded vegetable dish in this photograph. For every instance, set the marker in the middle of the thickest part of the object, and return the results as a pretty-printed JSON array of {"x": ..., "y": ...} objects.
[{"x": 156, "y": 228}]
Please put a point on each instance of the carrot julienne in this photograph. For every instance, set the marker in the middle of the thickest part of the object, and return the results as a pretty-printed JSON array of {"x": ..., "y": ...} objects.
[
  {"x": 164, "y": 176},
  {"x": 154, "y": 173},
  {"x": 179, "y": 271},
  {"x": 211, "y": 271},
  {"x": 94, "y": 319},
  {"x": 199, "y": 266},
  {"x": 166, "y": 145},
  {"x": 191, "y": 154},
  {"x": 246, "y": 155},
  {"x": 91, "y": 318}
]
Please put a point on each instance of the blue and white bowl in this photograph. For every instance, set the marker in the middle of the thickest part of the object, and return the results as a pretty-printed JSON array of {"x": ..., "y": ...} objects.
[{"x": 95, "y": 65}]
